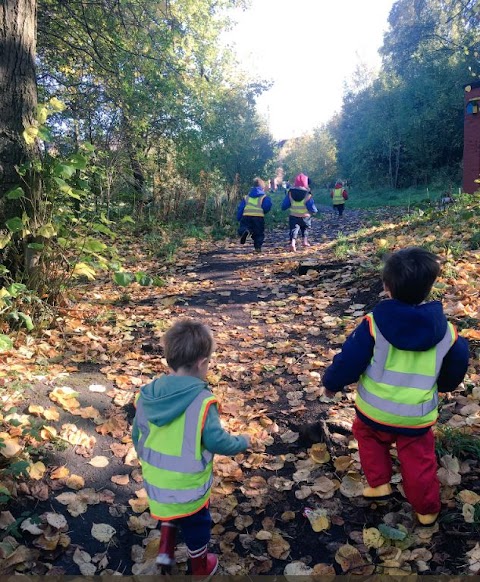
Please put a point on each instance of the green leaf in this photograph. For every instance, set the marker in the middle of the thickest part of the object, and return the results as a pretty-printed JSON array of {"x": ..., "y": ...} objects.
[
  {"x": 14, "y": 224},
  {"x": 123, "y": 279},
  {"x": 143, "y": 279},
  {"x": 36, "y": 246},
  {"x": 78, "y": 161},
  {"x": 15, "y": 193},
  {"x": 64, "y": 187},
  {"x": 47, "y": 231},
  {"x": 391, "y": 533},
  {"x": 27, "y": 320},
  {"x": 99, "y": 227},
  {"x": 16, "y": 288},
  {"x": 128, "y": 219},
  {"x": 5, "y": 343},
  {"x": 93, "y": 246},
  {"x": 3, "y": 270},
  {"x": 64, "y": 170},
  {"x": 158, "y": 281},
  {"x": 104, "y": 219},
  {"x": 88, "y": 146},
  {"x": 45, "y": 134}
]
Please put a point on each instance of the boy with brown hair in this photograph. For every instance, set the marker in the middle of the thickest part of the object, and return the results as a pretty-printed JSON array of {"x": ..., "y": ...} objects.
[
  {"x": 176, "y": 432},
  {"x": 402, "y": 355}
]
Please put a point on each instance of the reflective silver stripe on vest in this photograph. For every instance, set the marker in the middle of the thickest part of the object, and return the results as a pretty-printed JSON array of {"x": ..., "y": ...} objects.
[
  {"x": 186, "y": 463},
  {"x": 169, "y": 496},
  {"x": 396, "y": 407},
  {"x": 377, "y": 372}
]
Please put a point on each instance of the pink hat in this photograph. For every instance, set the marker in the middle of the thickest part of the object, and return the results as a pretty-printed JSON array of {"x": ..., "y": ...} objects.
[{"x": 301, "y": 181}]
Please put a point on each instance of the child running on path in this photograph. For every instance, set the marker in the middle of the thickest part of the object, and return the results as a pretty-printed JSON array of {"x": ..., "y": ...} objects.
[
  {"x": 301, "y": 204},
  {"x": 176, "y": 432},
  {"x": 251, "y": 214},
  {"x": 402, "y": 355},
  {"x": 339, "y": 195}
]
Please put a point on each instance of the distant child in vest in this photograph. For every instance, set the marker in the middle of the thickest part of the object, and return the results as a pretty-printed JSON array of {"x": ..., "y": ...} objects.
[
  {"x": 176, "y": 432},
  {"x": 301, "y": 204},
  {"x": 251, "y": 214},
  {"x": 401, "y": 355},
  {"x": 339, "y": 195}
]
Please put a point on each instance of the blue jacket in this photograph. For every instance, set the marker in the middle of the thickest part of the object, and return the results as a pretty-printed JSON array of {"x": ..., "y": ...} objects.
[
  {"x": 255, "y": 193},
  {"x": 299, "y": 194},
  {"x": 407, "y": 327},
  {"x": 167, "y": 397}
]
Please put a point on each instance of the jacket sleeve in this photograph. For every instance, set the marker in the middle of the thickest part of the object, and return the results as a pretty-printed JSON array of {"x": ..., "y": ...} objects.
[
  {"x": 286, "y": 203},
  {"x": 217, "y": 440},
  {"x": 345, "y": 195},
  {"x": 352, "y": 361},
  {"x": 135, "y": 433},
  {"x": 454, "y": 366},
  {"x": 311, "y": 206},
  {"x": 266, "y": 204},
  {"x": 240, "y": 209}
]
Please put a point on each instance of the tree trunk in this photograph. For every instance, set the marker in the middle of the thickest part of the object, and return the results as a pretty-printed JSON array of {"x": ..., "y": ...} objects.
[{"x": 18, "y": 93}]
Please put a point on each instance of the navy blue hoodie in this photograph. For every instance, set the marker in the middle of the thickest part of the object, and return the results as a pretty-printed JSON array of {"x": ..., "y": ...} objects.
[{"x": 407, "y": 327}]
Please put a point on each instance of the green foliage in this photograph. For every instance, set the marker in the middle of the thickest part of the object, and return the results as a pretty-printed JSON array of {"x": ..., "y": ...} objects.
[{"x": 456, "y": 442}]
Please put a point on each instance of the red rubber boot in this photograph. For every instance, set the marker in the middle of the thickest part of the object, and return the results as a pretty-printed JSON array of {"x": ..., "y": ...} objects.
[
  {"x": 203, "y": 563},
  {"x": 166, "y": 551}
]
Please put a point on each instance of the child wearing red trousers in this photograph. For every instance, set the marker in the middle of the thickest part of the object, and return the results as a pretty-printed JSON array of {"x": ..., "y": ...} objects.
[{"x": 401, "y": 355}]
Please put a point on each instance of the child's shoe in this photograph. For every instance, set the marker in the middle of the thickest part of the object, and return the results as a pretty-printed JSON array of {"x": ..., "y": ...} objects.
[
  {"x": 202, "y": 563},
  {"x": 243, "y": 238},
  {"x": 258, "y": 249},
  {"x": 166, "y": 551},
  {"x": 306, "y": 243},
  {"x": 380, "y": 493},
  {"x": 293, "y": 244},
  {"x": 427, "y": 520}
]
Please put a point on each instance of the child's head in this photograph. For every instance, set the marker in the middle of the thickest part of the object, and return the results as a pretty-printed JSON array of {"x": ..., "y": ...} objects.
[
  {"x": 259, "y": 183},
  {"x": 408, "y": 275},
  {"x": 301, "y": 181},
  {"x": 188, "y": 346}
]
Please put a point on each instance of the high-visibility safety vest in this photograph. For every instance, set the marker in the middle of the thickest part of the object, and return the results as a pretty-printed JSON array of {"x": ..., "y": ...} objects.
[
  {"x": 299, "y": 209},
  {"x": 253, "y": 206},
  {"x": 177, "y": 469},
  {"x": 399, "y": 387},
  {"x": 338, "y": 196}
]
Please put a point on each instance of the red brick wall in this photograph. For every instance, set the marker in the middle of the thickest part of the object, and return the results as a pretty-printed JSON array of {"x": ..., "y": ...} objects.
[{"x": 471, "y": 144}]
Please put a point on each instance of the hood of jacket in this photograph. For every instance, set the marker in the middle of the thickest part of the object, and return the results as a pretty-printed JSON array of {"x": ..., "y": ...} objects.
[
  {"x": 411, "y": 327},
  {"x": 167, "y": 397},
  {"x": 298, "y": 194},
  {"x": 256, "y": 192}
]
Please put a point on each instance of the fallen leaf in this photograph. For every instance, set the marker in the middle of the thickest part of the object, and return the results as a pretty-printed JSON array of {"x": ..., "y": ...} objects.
[
  {"x": 103, "y": 532},
  {"x": 99, "y": 461}
]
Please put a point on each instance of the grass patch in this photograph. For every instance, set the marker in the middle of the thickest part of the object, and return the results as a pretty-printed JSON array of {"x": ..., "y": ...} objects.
[
  {"x": 456, "y": 442},
  {"x": 381, "y": 197}
]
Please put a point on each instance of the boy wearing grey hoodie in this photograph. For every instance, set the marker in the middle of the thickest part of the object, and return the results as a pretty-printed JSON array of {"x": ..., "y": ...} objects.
[{"x": 176, "y": 432}]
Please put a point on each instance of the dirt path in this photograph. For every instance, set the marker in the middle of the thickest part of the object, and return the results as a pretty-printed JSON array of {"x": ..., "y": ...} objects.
[{"x": 275, "y": 332}]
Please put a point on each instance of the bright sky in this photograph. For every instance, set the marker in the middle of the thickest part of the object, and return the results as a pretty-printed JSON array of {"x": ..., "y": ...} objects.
[{"x": 308, "y": 48}]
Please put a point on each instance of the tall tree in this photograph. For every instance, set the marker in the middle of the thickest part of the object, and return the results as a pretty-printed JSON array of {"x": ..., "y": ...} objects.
[{"x": 18, "y": 92}]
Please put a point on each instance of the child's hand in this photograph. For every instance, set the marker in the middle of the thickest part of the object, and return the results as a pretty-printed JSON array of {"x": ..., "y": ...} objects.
[{"x": 249, "y": 442}]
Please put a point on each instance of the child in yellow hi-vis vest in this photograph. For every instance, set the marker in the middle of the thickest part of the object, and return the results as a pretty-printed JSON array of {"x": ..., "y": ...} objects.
[
  {"x": 339, "y": 195},
  {"x": 299, "y": 201},
  {"x": 401, "y": 356},
  {"x": 176, "y": 432},
  {"x": 251, "y": 214}
]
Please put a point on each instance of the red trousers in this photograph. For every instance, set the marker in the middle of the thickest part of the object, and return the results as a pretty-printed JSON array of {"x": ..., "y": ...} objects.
[{"x": 418, "y": 464}]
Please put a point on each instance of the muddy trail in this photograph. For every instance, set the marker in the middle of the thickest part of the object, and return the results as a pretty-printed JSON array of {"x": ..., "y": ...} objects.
[{"x": 276, "y": 330}]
